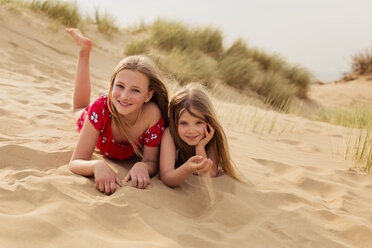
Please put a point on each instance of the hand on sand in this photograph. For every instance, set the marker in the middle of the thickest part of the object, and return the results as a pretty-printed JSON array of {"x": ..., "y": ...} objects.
[
  {"x": 198, "y": 164},
  {"x": 105, "y": 178},
  {"x": 139, "y": 175},
  {"x": 83, "y": 43}
]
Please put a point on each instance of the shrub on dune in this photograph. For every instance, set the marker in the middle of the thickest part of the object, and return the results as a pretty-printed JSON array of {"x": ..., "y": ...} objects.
[
  {"x": 105, "y": 23},
  {"x": 66, "y": 12},
  {"x": 236, "y": 68},
  {"x": 169, "y": 35},
  {"x": 137, "y": 46},
  {"x": 209, "y": 41},
  {"x": 276, "y": 89},
  {"x": 301, "y": 78},
  {"x": 362, "y": 62},
  {"x": 237, "y": 71},
  {"x": 188, "y": 67}
]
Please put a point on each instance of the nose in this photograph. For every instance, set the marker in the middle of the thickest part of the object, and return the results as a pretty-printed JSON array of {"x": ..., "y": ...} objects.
[
  {"x": 192, "y": 129},
  {"x": 124, "y": 94}
]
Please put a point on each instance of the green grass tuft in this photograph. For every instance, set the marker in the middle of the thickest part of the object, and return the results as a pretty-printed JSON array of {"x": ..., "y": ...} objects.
[
  {"x": 362, "y": 62},
  {"x": 208, "y": 40},
  {"x": 276, "y": 89},
  {"x": 105, "y": 23},
  {"x": 188, "y": 67},
  {"x": 169, "y": 35},
  {"x": 354, "y": 116},
  {"x": 138, "y": 46},
  {"x": 237, "y": 71},
  {"x": 65, "y": 12}
]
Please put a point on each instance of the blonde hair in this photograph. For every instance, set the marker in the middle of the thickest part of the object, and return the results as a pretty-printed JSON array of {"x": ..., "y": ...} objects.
[
  {"x": 157, "y": 83},
  {"x": 193, "y": 97}
]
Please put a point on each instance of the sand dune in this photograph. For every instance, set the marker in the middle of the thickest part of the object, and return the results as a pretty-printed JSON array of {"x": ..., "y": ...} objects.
[
  {"x": 300, "y": 191},
  {"x": 344, "y": 93}
]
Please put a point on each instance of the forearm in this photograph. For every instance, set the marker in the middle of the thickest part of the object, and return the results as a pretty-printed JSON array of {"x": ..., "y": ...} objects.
[
  {"x": 82, "y": 167},
  {"x": 213, "y": 171},
  {"x": 173, "y": 178},
  {"x": 151, "y": 167},
  {"x": 200, "y": 150}
]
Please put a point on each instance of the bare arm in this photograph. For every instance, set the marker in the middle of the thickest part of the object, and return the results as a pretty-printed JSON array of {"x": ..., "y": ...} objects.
[
  {"x": 141, "y": 171},
  {"x": 168, "y": 174},
  {"x": 210, "y": 153},
  {"x": 81, "y": 162}
]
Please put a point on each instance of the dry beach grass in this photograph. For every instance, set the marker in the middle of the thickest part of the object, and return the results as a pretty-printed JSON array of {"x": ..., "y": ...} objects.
[{"x": 301, "y": 191}]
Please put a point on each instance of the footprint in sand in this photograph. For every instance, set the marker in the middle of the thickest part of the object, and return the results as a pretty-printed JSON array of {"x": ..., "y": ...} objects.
[
  {"x": 313, "y": 130},
  {"x": 3, "y": 112},
  {"x": 63, "y": 105},
  {"x": 335, "y": 135},
  {"x": 288, "y": 141},
  {"x": 309, "y": 148},
  {"x": 324, "y": 189},
  {"x": 277, "y": 167},
  {"x": 13, "y": 44}
]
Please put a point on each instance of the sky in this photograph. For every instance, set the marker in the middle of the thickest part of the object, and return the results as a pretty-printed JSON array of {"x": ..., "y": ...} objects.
[{"x": 320, "y": 35}]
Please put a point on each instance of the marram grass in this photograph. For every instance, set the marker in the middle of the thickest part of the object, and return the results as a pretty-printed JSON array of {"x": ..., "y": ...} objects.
[
  {"x": 65, "y": 12},
  {"x": 105, "y": 23},
  {"x": 362, "y": 62}
]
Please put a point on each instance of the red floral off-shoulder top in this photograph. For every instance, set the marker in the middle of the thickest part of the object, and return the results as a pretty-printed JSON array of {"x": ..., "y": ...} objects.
[{"x": 99, "y": 115}]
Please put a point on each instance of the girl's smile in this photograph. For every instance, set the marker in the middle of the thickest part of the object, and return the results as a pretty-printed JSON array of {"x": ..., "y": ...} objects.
[
  {"x": 124, "y": 104},
  {"x": 191, "y": 128}
]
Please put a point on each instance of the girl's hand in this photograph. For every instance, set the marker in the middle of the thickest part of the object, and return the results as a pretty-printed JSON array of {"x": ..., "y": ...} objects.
[
  {"x": 198, "y": 164},
  {"x": 139, "y": 175},
  {"x": 208, "y": 136},
  {"x": 105, "y": 178}
]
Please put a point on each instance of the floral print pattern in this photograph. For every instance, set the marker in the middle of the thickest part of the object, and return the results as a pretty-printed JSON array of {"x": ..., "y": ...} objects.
[{"x": 100, "y": 117}]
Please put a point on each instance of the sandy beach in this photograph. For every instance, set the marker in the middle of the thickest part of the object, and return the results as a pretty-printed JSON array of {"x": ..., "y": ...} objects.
[{"x": 301, "y": 191}]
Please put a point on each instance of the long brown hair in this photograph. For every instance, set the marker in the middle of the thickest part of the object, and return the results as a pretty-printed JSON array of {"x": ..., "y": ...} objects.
[
  {"x": 193, "y": 97},
  {"x": 157, "y": 83}
]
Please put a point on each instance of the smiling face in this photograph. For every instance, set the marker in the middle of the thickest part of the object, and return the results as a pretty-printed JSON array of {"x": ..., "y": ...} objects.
[
  {"x": 130, "y": 91},
  {"x": 191, "y": 128}
]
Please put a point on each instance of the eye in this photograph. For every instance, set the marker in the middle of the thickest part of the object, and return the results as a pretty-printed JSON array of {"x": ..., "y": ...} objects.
[
  {"x": 182, "y": 123},
  {"x": 120, "y": 86},
  {"x": 200, "y": 122},
  {"x": 136, "y": 90}
]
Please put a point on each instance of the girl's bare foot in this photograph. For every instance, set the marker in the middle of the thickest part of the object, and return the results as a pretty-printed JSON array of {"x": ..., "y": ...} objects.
[{"x": 83, "y": 43}]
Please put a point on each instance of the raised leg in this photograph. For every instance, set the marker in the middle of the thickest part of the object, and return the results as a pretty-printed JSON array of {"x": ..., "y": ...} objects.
[{"x": 82, "y": 86}]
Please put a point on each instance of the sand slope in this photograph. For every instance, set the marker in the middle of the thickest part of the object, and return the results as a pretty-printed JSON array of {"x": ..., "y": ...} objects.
[
  {"x": 300, "y": 191},
  {"x": 356, "y": 91}
]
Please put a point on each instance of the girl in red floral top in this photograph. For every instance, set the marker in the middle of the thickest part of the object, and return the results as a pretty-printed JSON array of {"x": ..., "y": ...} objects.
[{"x": 129, "y": 120}]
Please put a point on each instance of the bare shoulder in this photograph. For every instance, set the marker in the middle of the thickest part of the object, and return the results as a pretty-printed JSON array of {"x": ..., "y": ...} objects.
[
  {"x": 167, "y": 133},
  {"x": 167, "y": 143},
  {"x": 151, "y": 113},
  {"x": 167, "y": 138}
]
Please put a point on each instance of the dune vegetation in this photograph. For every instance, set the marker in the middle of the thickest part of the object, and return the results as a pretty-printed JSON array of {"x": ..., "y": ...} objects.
[
  {"x": 67, "y": 13},
  {"x": 362, "y": 62},
  {"x": 357, "y": 116},
  {"x": 197, "y": 54},
  {"x": 189, "y": 54}
]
